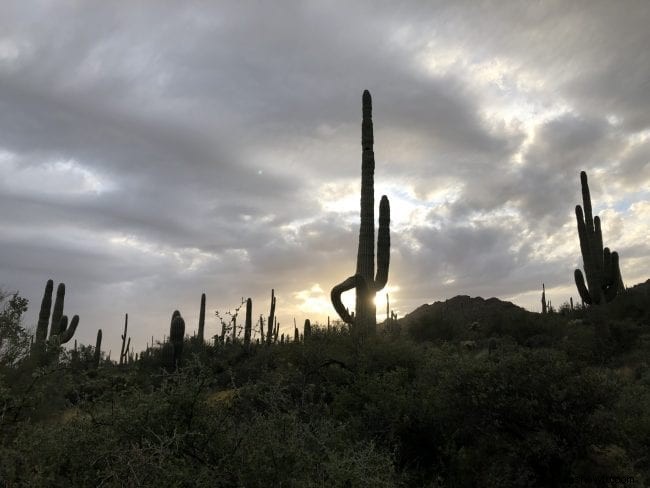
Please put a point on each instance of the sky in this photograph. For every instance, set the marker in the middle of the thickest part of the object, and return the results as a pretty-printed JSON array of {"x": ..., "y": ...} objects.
[{"x": 151, "y": 151}]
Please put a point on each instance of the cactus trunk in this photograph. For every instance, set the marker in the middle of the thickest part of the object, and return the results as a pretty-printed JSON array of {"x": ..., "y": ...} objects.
[
  {"x": 248, "y": 325},
  {"x": 98, "y": 349},
  {"x": 202, "y": 318},
  {"x": 271, "y": 320}
]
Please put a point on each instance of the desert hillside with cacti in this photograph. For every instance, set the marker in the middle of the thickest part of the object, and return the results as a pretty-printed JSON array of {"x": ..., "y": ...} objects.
[{"x": 458, "y": 393}]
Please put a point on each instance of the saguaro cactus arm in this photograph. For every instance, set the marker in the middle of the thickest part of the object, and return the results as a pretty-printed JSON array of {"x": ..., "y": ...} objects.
[
  {"x": 356, "y": 281},
  {"x": 383, "y": 244},
  {"x": 57, "y": 311},
  {"x": 44, "y": 314},
  {"x": 67, "y": 331}
]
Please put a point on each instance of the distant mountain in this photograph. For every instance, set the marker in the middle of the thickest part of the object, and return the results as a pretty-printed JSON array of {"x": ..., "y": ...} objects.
[
  {"x": 463, "y": 308},
  {"x": 465, "y": 318}
]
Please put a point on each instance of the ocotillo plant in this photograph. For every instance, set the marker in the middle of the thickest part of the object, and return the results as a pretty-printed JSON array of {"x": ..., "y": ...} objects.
[
  {"x": 202, "y": 318},
  {"x": 98, "y": 349},
  {"x": 248, "y": 326},
  {"x": 60, "y": 331},
  {"x": 602, "y": 270},
  {"x": 124, "y": 349},
  {"x": 365, "y": 281},
  {"x": 271, "y": 320}
]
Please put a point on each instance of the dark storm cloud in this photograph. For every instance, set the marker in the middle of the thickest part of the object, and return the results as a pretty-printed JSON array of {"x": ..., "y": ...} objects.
[{"x": 150, "y": 151}]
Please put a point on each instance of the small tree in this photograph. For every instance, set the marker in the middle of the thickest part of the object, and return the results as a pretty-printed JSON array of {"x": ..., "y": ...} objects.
[{"x": 14, "y": 339}]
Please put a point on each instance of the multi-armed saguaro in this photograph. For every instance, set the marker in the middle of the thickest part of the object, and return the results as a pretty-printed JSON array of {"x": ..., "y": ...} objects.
[
  {"x": 604, "y": 280},
  {"x": 365, "y": 281},
  {"x": 60, "y": 331}
]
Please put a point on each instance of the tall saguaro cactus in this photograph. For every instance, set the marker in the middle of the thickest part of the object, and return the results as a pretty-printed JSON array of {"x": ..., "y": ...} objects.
[
  {"x": 248, "y": 326},
  {"x": 366, "y": 283},
  {"x": 124, "y": 349},
  {"x": 602, "y": 270},
  {"x": 202, "y": 318},
  {"x": 98, "y": 349},
  {"x": 271, "y": 320}
]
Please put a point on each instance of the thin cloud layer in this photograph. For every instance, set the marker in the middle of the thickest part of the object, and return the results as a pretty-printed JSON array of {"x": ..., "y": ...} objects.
[{"x": 150, "y": 152}]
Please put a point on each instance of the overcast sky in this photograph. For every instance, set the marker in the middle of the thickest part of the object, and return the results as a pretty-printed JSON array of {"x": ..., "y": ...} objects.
[{"x": 152, "y": 151}]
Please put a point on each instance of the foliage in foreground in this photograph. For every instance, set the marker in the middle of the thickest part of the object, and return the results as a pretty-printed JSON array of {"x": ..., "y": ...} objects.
[{"x": 329, "y": 412}]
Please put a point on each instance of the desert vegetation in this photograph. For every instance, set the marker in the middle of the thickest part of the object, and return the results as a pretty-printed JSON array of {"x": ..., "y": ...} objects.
[{"x": 461, "y": 393}]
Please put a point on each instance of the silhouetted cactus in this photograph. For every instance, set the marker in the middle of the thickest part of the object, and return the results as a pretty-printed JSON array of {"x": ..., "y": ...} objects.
[
  {"x": 248, "y": 325},
  {"x": 176, "y": 335},
  {"x": 544, "y": 309},
  {"x": 98, "y": 349},
  {"x": 202, "y": 318},
  {"x": 307, "y": 329},
  {"x": 270, "y": 333},
  {"x": 60, "y": 331},
  {"x": 123, "y": 350},
  {"x": 262, "y": 331},
  {"x": 365, "y": 281},
  {"x": 601, "y": 266},
  {"x": 44, "y": 314},
  {"x": 57, "y": 311}
]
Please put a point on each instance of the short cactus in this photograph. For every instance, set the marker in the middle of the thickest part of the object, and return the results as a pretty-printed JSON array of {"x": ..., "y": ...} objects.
[
  {"x": 307, "y": 329},
  {"x": 176, "y": 335}
]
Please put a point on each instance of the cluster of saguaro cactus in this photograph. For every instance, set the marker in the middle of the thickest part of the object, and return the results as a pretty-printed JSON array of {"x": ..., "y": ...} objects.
[
  {"x": 602, "y": 270},
  {"x": 60, "y": 331},
  {"x": 366, "y": 283}
]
